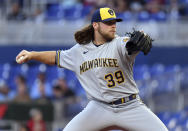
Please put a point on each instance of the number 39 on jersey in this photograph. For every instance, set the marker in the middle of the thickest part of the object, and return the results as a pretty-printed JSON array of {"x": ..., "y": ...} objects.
[{"x": 113, "y": 78}]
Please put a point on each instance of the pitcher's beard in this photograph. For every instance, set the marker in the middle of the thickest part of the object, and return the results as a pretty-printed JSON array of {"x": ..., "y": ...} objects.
[{"x": 106, "y": 36}]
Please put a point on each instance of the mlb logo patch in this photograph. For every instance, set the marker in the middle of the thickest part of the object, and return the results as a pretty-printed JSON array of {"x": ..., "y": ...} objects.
[{"x": 125, "y": 40}]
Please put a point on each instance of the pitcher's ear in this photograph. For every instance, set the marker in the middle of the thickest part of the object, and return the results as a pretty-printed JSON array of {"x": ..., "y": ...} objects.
[{"x": 95, "y": 25}]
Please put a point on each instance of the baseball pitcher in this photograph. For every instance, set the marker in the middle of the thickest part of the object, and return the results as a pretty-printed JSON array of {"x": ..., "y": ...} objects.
[{"x": 103, "y": 63}]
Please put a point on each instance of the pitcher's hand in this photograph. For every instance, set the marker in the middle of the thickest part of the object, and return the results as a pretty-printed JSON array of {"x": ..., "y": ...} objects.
[{"x": 23, "y": 57}]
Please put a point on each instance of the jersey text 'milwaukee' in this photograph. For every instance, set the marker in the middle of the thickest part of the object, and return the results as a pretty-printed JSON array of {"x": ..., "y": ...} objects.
[{"x": 99, "y": 62}]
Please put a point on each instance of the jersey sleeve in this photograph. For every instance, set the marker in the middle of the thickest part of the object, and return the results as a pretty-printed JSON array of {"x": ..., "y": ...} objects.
[
  {"x": 122, "y": 41},
  {"x": 66, "y": 58}
]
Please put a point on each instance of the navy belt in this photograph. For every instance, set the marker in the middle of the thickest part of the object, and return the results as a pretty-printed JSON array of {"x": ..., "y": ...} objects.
[{"x": 123, "y": 100}]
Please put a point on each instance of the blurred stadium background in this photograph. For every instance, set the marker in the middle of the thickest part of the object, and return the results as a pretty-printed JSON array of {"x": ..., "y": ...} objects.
[{"x": 49, "y": 96}]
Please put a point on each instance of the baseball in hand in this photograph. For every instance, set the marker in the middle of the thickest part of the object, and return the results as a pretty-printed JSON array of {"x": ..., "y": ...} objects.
[{"x": 20, "y": 59}]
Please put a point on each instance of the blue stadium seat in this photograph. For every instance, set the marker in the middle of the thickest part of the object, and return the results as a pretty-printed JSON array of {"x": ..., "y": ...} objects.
[
  {"x": 73, "y": 83},
  {"x": 71, "y": 79},
  {"x": 182, "y": 120},
  {"x": 11, "y": 72},
  {"x": 126, "y": 16},
  {"x": 52, "y": 73},
  {"x": 19, "y": 70},
  {"x": 184, "y": 124},
  {"x": 172, "y": 123},
  {"x": 165, "y": 84},
  {"x": 86, "y": 10},
  {"x": 14, "y": 71},
  {"x": 159, "y": 16},
  {"x": 184, "y": 80},
  {"x": 1, "y": 71},
  {"x": 61, "y": 72},
  {"x": 32, "y": 74},
  {"x": 79, "y": 90},
  {"x": 164, "y": 117},
  {"x": 141, "y": 72},
  {"x": 54, "y": 12},
  {"x": 173, "y": 68},
  {"x": 157, "y": 69},
  {"x": 73, "y": 13},
  {"x": 144, "y": 89},
  {"x": 143, "y": 16},
  {"x": 174, "y": 120}
]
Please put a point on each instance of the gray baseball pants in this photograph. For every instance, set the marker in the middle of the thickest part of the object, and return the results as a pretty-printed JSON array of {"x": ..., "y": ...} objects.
[{"x": 133, "y": 116}]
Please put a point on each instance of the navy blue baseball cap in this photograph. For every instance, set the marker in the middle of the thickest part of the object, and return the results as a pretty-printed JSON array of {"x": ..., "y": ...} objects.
[{"x": 104, "y": 14}]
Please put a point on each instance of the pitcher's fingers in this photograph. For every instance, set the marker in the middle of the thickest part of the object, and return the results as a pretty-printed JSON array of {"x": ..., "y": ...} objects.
[
  {"x": 22, "y": 59},
  {"x": 22, "y": 53}
]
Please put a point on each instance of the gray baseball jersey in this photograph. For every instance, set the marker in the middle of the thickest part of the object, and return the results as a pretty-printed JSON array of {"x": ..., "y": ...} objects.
[{"x": 105, "y": 72}]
